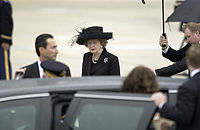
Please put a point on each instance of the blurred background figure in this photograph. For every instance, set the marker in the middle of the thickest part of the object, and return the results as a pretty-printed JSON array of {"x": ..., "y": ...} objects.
[
  {"x": 6, "y": 29},
  {"x": 140, "y": 80},
  {"x": 98, "y": 61},
  {"x": 55, "y": 69}
]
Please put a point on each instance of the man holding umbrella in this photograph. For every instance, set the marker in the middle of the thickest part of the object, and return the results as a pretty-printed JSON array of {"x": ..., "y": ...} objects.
[
  {"x": 187, "y": 11},
  {"x": 192, "y": 34},
  {"x": 170, "y": 53}
]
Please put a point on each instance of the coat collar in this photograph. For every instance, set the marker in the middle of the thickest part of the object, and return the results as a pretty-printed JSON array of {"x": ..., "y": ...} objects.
[
  {"x": 194, "y": 72},
  {"x": 103, "y": 57},
  {"x": 35, "y": 70}
]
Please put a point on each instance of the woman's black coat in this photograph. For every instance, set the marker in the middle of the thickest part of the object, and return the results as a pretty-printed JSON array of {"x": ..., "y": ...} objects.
[{"x": 108, "y": 64}]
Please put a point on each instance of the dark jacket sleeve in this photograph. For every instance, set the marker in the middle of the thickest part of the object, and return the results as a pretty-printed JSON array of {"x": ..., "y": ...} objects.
[
  {"x": 32, "y": 71},
  {"x": 172, "y": 69},
  {"x": 84, "y": 65},
  {"x": 6, "y": 22},
  {"x": 184, "y": 109},
  {"x": 68, "y": 72},
  {"x": 114, "y": 66},
  {"x": 176, "y": 55}
]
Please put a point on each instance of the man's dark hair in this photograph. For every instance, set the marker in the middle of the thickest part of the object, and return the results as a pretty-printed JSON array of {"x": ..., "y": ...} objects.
[{"x": 41, "y": 41}]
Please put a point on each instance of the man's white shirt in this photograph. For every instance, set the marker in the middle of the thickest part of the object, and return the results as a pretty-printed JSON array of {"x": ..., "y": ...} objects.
[{"x": 41, "y": 71}]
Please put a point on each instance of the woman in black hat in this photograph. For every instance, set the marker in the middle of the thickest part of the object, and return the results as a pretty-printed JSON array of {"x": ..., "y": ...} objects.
[{"x": 98, "y": 61}]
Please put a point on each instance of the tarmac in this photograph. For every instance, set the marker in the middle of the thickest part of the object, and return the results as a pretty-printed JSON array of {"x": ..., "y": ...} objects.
[{"x": 136, "y": 28}]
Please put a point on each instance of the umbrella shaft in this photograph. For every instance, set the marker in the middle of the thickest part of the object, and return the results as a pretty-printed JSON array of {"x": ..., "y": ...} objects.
[{"x": 163, "y": 16}]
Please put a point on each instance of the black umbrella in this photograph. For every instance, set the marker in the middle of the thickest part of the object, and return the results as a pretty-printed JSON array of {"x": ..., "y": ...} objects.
[{"x": 188, "y": 11}]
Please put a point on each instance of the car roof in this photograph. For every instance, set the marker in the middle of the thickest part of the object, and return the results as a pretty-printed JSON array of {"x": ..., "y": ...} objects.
[
  {"x": 170, "y": 83},
  {"x": 72, "y": 84},
  {"x": 29, "y": 86},
  {"x": 112, "y": 95}
]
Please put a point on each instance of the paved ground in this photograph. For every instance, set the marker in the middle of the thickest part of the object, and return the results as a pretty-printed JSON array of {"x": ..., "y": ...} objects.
[{"x": 136, "y": 30}]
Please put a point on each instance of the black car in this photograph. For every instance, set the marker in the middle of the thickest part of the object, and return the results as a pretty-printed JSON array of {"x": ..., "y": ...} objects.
[{"x": 56, "y": 104}]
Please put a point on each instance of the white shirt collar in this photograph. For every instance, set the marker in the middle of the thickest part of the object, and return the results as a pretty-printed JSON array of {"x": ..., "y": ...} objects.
[
  {"x": 41, "y": 71},
  {"x": 166, "y": 50},
  {"x": 194, "y": 72}
]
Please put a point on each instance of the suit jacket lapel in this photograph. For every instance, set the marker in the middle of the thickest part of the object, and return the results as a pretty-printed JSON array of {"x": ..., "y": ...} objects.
[
  {"x": 197, "y": 74},
  {"x": 35, "y": 70}
]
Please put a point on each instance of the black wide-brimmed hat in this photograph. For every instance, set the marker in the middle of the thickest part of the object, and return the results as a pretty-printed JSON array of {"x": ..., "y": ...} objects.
[
  {"x": 94, "y": 32},
  {"x": 55, "y": 68}
]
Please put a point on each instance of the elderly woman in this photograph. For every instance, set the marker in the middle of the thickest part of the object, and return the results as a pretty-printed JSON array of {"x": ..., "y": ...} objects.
[
  {"x": 98, "y": 61},
  {"x": 140, "y": 80}
]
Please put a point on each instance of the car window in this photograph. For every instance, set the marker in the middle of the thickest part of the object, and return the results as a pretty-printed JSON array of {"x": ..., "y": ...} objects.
[
  {"x": 20, "y": 114},
  {"x": 108, "y": 117},
  {"x": 102, "y": 114},
  {"x": 18, "y": 118}
]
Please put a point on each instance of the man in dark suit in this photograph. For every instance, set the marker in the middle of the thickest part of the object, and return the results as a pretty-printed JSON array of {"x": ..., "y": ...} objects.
[
  {"x": 170, "y": 53},
  {"x": 175, "y": 55},
  {"x": 192, "y": 33},
  {"x": 46, "y": 49},
  {"x": 172, "y": 69},
  {"x": 186, "y": 112},
  {"x": 6, "y": 29}
]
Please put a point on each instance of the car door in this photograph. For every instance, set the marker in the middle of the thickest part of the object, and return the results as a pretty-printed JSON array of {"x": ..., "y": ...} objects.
[{"x": 109, "y": 111}]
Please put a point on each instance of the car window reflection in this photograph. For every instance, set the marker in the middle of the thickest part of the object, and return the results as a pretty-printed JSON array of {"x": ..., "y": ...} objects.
[
  {"x": 18, "y": 118},
  {"x": 108, "y": 117}
]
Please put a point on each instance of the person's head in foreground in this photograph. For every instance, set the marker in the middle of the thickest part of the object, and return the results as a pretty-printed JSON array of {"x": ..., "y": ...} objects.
[
  {"x": 193, "y": 57},
  {"x": 140, "y": 80}
]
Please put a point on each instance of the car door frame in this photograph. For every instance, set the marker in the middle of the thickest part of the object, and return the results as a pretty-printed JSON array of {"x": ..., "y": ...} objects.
[{"x": 79, "y": 101}]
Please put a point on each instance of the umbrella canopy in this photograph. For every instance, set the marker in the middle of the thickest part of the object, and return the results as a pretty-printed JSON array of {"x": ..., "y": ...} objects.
[{"x": 188, "y": 11}]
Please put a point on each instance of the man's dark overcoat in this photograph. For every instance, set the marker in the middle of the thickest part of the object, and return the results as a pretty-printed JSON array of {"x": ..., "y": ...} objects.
[
  {"x": 172, "y": 69},
  {"x": 186, "y": 112},
  {"x": 176, "y": 55}
]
